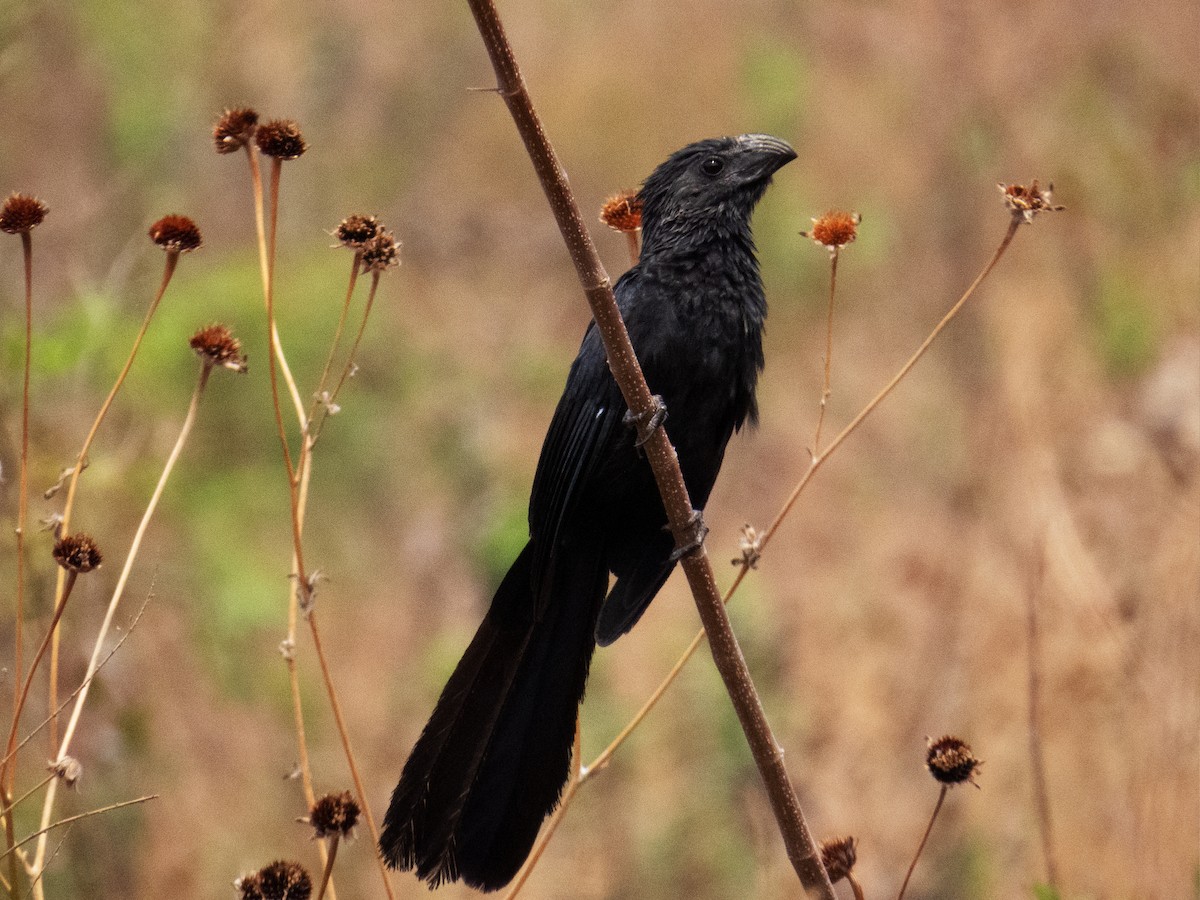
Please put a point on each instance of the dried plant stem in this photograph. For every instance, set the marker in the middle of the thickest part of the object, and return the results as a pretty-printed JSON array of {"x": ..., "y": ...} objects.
[
  {"x": 925, "y": 837},
  {"x": 81, "y": 462},
  {"x": 298, "y": 474},
  {"x": 337, "y": 337},
  {"x": 118, "y": 591},
  {"x": 825, "y": 391},
  {"x": 23, "y": 496},
  {"x": 42, "y": 832},
  {"x": 574, "y": 780},
  {"x": 801, "y": 849},
  {"x": 327, "y": 871},
  {"x": 633, "y": 242},
  {"x": 1037, "y": 760},
  {"x": 344, "y": 734},
  {"x": 348, "y": 369},
  {"x": 855, "y": 887},
  {"x": 817, "y": 460},
  {"x": 265, "y": 270}
]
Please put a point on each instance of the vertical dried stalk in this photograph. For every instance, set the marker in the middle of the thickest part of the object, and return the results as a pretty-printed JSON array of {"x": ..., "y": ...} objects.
[
  {"x": 802, "y": 850},
  {"x": 1037, "y": 760}
]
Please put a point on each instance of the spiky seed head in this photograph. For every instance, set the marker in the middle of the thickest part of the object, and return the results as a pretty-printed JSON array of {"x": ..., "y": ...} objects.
[
  {"x": 77, "y": 553},
  {"x": 623, "y": 211},
  {"x": 21, "y": 214},
  {"x": 1026, "y": 202},
  {"x": 235, "y": 129},
  {"x": 334, "y": 814},
  {"x": 216, "y": 345},
  {"x": 283, "y": 880},
  {"x": 176, "y": 234},
  {"x": 281, "y": 139},
  {"x": 839, "y": 855},
  {"x": 380, "y": 253},
  {"x": 951, "y": 761},
  {"x": 835, "y": 229},
  {"x": 355, "y": 231}
]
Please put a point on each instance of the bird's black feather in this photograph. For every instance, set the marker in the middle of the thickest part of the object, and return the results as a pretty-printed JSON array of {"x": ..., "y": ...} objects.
[{"x": 492, "y": 760}]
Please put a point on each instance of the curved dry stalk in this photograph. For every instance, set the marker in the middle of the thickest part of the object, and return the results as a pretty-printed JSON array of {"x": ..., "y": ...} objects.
[
  {"x": 69, "y": 820},
  {"x": 81, "y": 462},
  {"x": 327, "y": 872},
  {"x": 574, "y": 780},
  {"x": 817, "y": 460},
  {"x": 337, "y": 340},
  {"x": 348, "y": 369},
  {"x": 118, "y": 591},
  {"x": 925, "y": 837}
]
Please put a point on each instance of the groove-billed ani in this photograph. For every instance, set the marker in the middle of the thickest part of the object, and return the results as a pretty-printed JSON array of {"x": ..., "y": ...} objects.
[{"x": 493, "y": 759}]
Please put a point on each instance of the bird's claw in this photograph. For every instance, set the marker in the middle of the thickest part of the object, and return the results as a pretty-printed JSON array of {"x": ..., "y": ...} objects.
[
  {"x": 647, "y": 421},
  {"x": 690, "y": 538}
]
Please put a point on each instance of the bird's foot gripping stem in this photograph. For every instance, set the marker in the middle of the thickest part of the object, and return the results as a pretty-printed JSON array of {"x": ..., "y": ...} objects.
[
  {"x": 648, "y": 421},
  {"x": 690, "y": 538}
]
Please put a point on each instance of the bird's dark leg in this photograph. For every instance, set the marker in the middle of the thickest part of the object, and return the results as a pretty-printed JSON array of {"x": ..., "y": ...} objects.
[
  {"x": 690, "y": 538},
  {"x": 646, "y": 422}
]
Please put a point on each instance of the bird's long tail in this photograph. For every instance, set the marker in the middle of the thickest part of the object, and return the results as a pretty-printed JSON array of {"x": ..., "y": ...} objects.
[{"x": 493, "y": 759}]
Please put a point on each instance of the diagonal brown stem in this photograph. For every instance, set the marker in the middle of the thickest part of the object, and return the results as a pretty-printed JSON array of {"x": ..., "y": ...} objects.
[
  {"x": 925, "y": 837},
  {"x": 801, "y": 849}
]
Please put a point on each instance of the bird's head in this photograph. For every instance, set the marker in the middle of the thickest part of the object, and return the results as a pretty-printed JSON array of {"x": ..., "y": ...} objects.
[{"x": 708, "y": 189}]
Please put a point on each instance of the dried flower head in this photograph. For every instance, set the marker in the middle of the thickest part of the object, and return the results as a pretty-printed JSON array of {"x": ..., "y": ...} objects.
[
  {"x": 750, "y": 546},
  {"x": 834, "y": 230},
  {"x": 281, "y": 138},
  {"x": 334, "y": 814},
  {"x": 176, "y": 234},
  {"x": 380, "y": 253},
  {"x": 950, "y": 761},
  {"x": 623, "y": 211},
  {"x": 68, "y": 769},
  {"x": 355, "y": 231},
  {"x": 21, "y": 214},
  {"x": 235, "y": 129},
  {"x": 282, "y": 881},
  {"x": 1027, "y": 202},
  {"x": 838, "y": 856},
  {"x": 217, "y": 346},
  {"x": 249, "y": 886},
  {"x": 77, "y": 553}
]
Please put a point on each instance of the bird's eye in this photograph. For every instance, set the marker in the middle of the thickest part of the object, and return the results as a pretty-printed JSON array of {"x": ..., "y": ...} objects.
[{"x": 712, "y": 166}]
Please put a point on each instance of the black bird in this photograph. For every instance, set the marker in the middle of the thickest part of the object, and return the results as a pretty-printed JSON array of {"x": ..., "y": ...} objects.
[{"x": 492, "y": 761}]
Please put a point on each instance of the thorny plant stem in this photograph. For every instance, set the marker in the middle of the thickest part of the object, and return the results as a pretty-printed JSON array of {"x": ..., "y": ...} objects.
[
  {"x": 1037, "y": 760},
  {"x": 801, "y": 849},
  {"x": 603, "y": 758},
  {"x": 81, "y": 462},
  {"x": 825, "y": 390},
  {"x": 42, "y": 832},
  {"x": 118, "y": 591},
  {"x": 925, "y": 837},
  {"x": 328, "y": 870},
  {"x": 576, "y": 778}
]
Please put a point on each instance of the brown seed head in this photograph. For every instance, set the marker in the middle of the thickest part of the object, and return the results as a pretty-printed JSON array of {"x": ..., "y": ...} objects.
[
  {"x": 1026, "y": 202},
  {"x": 834, "y": 230},
  {"x": 334, "y": 814},
  {"x": 623, "y": 211},
  {"x": 77, "y": 553},
  {"x": 176, "y": 234},
  {"x": 839, "y": 856},
  {"x": 281, "y": 139},
  {"x": 217, "y": 346},
  {"x": 380, "y": 253},
  {"x": 21, "y": 214},
  {"x": 235, "y": 129},
  {"x": 355, "y": 231},
  {"x": 249, "y": 886},
  {"x": 950, "y": 761},
  {"x": 284, "y": 881},
  {"x": 68, "y": 769}
]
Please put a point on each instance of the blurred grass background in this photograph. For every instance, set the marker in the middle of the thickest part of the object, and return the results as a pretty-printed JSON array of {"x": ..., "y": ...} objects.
[{"x": 1059, "y": 415}]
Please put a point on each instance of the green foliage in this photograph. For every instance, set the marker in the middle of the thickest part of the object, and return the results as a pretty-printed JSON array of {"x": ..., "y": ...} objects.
[
  {"x": 1127, "y": 332},
  {"x": 1046, "y": 892}
]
